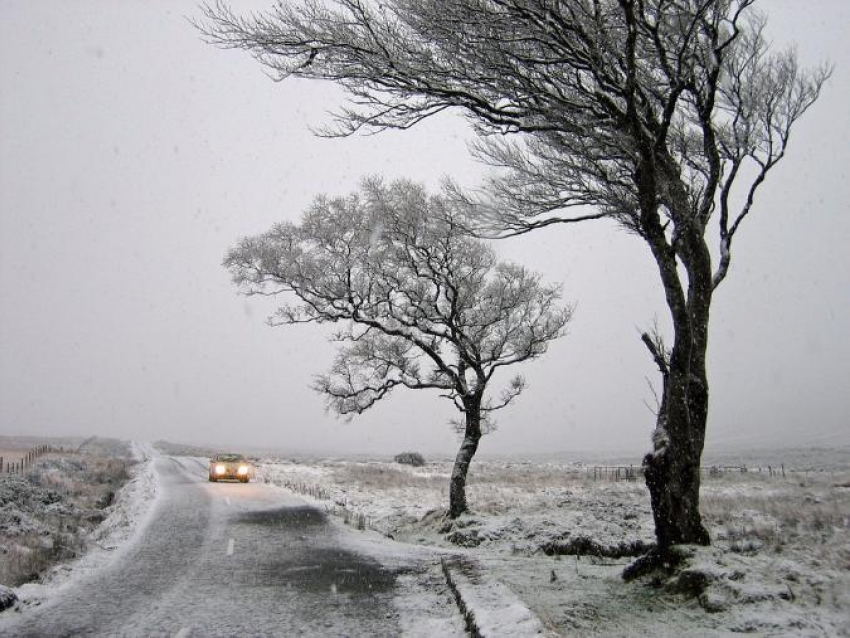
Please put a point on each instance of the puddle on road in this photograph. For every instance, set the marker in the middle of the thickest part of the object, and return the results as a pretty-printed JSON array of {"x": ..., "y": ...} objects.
[
  {"x": 294, "y": 518},
  {"x": 311, "y": 567},
  {"x": 326, "y": 570}
]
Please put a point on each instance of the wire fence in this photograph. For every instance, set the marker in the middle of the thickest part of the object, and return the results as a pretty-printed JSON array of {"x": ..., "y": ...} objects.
[
  {"x": 615, "y": 473},
  {"x": 22, "y": 462}
]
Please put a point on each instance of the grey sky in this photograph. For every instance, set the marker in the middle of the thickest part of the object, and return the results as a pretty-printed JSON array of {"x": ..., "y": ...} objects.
[{"x": 132, "y": 156}]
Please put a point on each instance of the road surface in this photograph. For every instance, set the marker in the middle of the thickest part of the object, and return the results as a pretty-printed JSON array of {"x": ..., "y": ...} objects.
[{"x": 226, "y": 559}]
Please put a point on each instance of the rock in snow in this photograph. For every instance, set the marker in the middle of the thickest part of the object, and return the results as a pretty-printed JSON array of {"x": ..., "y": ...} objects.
[{"x": 7, "y": 597}]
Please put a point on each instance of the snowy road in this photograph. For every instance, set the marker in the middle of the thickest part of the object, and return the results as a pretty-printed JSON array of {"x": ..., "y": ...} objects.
[{"x": 225, "y": 559}]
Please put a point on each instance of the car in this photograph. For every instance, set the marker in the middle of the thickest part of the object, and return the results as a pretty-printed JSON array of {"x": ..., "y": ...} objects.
[{"x": 229, "y": 466}]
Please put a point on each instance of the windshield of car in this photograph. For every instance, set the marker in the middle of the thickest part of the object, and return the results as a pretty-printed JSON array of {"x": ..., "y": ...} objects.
[{"x": 229, "y": 458}]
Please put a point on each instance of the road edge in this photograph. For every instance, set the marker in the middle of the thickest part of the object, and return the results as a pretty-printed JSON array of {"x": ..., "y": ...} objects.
[{"x": 489, "y": 608}]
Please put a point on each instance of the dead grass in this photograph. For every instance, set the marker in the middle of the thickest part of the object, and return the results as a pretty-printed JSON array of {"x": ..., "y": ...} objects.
[
  {"x": 379, "y": 476},
  {"x": 527, "y": 476},
  {"x": 774, "y": 515},
  {"x": 30, "y": 555},
  {"x": 47, "y": 514}
]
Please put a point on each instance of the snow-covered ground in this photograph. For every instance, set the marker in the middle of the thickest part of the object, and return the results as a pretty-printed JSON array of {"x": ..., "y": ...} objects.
[
  {"x": 779, "y": 564},
  {"x": 544, "y": 536}
]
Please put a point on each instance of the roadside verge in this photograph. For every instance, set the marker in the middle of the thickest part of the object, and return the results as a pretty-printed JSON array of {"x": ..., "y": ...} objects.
[
  {"x": 488, "y": 607},
  {"x": 126, "y": 517}
]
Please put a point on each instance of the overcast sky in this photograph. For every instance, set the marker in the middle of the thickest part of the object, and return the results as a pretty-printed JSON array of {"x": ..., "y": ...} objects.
[{"x": 132, "y": 156}]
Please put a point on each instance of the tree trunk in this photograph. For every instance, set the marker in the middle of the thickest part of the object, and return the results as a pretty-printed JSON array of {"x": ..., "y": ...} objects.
[
  {"x": 471, "y": 437},
  {"x": 672, "y": 469}
]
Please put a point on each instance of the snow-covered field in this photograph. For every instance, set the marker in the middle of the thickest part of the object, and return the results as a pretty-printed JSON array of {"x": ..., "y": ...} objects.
[{"x": 779, "y": 564}]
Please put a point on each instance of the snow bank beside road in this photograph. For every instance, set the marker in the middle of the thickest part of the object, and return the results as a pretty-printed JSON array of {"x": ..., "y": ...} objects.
[{"x": 133, "y": 504}]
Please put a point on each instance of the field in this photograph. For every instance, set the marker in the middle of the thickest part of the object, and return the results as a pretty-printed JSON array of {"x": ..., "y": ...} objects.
[
  {"x": 48, "y": 511},
  {"x": 779, "y": 563}
]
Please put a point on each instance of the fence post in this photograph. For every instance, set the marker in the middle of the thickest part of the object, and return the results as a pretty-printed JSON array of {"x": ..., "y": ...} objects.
[{"x": 783, "y": 470}]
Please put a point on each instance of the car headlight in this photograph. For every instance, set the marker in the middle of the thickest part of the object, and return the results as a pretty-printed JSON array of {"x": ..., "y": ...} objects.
[
  {"x": 220, "y": 469},
  {"x": 243, "y": 469}
]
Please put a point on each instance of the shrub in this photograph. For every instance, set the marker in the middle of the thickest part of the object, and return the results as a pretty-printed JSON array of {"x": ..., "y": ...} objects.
[{"x": 410, "y": 458}]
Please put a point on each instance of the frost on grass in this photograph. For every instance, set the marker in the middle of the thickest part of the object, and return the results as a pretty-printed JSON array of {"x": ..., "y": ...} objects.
[
  {"x": 518, "y": 508},
  {"x": 122, "y": 514},
  {"x": 47, "y": 513},
  {"x": 68, "y": 514}
]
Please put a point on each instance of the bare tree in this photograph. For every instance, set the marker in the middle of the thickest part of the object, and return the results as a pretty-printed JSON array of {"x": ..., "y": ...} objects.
[
  {"x": 425, "y": 306},
  {"x": 663, "y": 115}
]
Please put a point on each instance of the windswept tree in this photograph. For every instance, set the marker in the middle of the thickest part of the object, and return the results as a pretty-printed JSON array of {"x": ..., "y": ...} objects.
[
  {"x": 663, "y": 115},
  {"x": 424, "y": 305}
]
